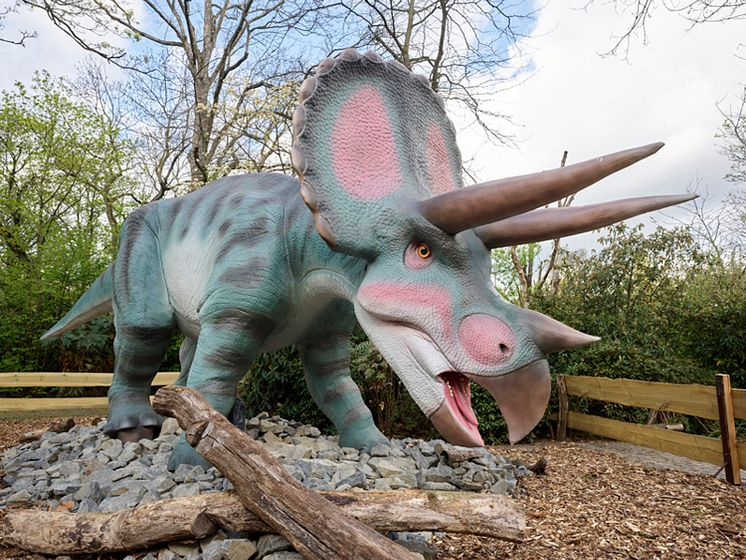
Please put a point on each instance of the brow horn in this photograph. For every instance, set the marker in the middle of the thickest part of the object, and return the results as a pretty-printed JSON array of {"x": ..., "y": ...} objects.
[
  {"x": 495, "y": 200},
  {"x": 552, "y": 223}
]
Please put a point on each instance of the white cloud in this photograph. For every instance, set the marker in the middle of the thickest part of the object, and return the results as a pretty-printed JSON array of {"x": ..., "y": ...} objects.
[{"x": 590, "y": 105}]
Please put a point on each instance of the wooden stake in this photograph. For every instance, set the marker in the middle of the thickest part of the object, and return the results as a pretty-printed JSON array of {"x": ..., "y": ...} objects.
[
  {"x": 728, "y": 429},
  {"x": 197, "y": 517},
  {"x": 318, "y": 529},
  {"x": 564, "y": 407}
]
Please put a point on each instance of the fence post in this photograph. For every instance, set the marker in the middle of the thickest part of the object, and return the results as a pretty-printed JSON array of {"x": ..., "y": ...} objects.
[
  {"x": 564, "y": 407},
  {"x": 727, "y": 429}
]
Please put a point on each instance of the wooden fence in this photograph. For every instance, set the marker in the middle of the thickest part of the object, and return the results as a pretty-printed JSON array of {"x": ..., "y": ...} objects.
[
  {"x": 720, "y": 402},
  {"x": 18, "y": 407}
]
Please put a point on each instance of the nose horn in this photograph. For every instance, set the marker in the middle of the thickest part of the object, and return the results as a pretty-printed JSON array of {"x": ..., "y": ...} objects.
[{"x": 553, "y": 336}]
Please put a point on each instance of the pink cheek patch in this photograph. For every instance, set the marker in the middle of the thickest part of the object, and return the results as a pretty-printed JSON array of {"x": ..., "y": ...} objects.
[
  {"x": 486, "y": 339},
  {"x": 439, "y": 172},
  {"x": 419, "y": 303},
  {"x": 363, "y": 150}
]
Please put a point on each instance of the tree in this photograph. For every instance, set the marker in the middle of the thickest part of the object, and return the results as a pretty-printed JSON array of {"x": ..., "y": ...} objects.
[
  {"x": 666, "y": 308},
  {"x": 519, "y": 272},
  {"x": 233, "y": 54},
  {"x": 694, "y": 11},
  {"x": 21, "y": 36},
  {"x": 62, "y": 173},
  {"x": 733, "y": 131}
]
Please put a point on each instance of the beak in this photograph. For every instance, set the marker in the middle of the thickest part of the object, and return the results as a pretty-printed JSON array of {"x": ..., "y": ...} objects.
[{"x": 521, "y": 395}]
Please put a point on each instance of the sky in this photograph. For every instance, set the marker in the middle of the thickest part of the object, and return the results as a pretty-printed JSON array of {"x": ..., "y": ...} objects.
[
  {"x": 590, "y": 105},
  {"x": 572, "y": 98}
]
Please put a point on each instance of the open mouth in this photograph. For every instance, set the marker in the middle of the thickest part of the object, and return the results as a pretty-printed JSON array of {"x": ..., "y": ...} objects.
[
  {"x": 457, "y": 389},
  {"x": 456, "y": 419},
  {"x": 522, "y": 396}
]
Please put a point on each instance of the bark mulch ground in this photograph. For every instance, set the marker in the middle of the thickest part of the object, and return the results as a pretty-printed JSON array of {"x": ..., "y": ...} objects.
[
  {"x": 594, "y": 504},
  {"x": 590, "y": 504}
]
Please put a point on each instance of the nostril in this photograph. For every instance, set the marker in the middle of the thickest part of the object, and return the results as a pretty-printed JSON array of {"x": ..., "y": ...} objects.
[{"x": 486, "y": 339}]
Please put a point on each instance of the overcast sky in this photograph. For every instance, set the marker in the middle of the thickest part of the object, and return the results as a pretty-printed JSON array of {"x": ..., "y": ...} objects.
[
  {"x": 575, "y": 100},
  {"x": 579, "y": 101}
]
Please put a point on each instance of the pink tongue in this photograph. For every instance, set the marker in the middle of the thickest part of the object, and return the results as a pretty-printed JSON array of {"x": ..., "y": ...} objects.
[{"x": 461, "y": 396}]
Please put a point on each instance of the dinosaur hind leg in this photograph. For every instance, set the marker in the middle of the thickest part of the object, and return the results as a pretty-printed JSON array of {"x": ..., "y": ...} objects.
[{"x": 138, "y": 353}]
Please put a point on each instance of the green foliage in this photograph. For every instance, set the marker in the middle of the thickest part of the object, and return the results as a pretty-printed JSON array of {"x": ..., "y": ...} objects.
[
  {"x": 60, "y": 178},
  {"x": 665, "y": 311},
  {"x": 276, "y": 384},
  {"x": 394, "y": 411}
]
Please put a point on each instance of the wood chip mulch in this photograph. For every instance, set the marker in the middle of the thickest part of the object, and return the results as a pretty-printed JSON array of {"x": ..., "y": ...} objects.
[{"x": 592, "y": 504}]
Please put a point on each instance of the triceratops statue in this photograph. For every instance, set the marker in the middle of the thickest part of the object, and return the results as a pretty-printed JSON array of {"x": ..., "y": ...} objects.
[{"x": 392, "y": 239}]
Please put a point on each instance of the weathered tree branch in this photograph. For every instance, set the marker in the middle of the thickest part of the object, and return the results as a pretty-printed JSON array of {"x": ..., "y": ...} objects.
[
  {"x": 197, "y": 517},
  {"x": 317, "y": 528}
]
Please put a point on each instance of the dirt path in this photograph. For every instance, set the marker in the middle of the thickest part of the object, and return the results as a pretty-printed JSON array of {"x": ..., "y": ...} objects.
[{"x": 657, "y": 459}]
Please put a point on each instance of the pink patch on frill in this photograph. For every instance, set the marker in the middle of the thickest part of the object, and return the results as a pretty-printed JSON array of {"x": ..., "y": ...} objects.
[
  {"x": 364, "y": 155},
  {"x": 486, "y": 339},
  {"x": 439, "y": 172},
  {"x": 417, "y": 302}
]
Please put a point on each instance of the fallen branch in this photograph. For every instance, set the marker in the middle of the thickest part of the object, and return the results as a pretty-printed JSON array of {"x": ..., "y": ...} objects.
[
  {"x": 56, "y": 427},
  {"x": 316, "y": 527},
  {"x": 197, "y": 517}
]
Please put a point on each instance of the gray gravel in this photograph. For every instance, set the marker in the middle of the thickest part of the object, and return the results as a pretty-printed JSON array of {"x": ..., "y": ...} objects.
[{"x": 89, "y": 472}]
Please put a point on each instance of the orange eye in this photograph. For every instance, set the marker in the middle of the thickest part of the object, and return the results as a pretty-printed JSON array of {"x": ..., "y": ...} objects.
[{"x": 423, "y": 251}]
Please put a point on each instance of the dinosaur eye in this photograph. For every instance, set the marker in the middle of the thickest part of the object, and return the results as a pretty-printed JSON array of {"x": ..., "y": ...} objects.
[
  {"x": 418, "y": 255},
  {"x": 423, "y": 251}
]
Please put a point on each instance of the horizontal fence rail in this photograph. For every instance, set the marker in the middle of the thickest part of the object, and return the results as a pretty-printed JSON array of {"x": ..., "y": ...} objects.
[
  {"x": 20, "y": 407},
  {"x": 716, "y": 403}
]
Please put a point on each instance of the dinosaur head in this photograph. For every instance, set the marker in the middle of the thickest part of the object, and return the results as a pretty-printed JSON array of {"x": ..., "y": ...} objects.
[{"x": 381, "y": 172}]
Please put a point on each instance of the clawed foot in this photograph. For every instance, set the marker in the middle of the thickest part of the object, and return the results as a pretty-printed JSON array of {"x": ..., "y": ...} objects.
[
  {"x": 132, "y": 420},
  {"x": 136, "y": 434},
  {"x": 184, "y": 454},
  {"x": 364, "y": 440}
]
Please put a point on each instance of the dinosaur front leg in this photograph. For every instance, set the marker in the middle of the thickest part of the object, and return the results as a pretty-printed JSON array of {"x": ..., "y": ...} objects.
[
  {"x": 138, "y": 353},
  {"x": 327, "y": 367},
  {"x": 144, "y": 322},
  {"x": 228, "y": 342},
  {"x": 186, "y": 357}
]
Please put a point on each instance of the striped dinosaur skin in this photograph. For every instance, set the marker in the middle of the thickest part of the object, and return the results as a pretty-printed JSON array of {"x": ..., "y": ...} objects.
[
  {"x": 379, "y": 230},
  {"x": 238, "y": 268}
]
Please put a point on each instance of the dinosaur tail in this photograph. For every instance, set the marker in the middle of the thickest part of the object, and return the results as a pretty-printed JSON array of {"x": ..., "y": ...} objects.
[{"x": 95, "y": 302}]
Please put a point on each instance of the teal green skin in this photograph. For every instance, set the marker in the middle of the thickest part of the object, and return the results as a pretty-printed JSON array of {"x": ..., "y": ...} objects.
[{"x": 239, "y": 269}]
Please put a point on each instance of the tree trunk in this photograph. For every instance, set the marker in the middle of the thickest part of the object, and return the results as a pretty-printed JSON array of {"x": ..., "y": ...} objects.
[
  {"x": 317, "y": 528},
  {"x": 197, "y": 517}
]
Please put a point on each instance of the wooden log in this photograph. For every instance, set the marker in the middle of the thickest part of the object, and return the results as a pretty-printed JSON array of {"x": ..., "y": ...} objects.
[
  {"x": 317, "y": 528},
  {"x": 55, "y": 427},
  {"x": 728, "y": 429},
  {"x": 675, "y": 427},
  {"x": 197, "y": 517}
]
